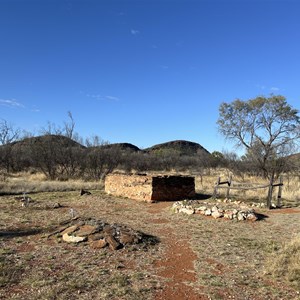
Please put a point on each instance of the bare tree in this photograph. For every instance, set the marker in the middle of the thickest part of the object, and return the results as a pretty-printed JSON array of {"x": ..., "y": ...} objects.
[
  {"x": 8, "y": 133},
  {"x": 51, "y": 129},
  {"x": 95, "y": 141},
  {"x": 69, "y": 126}
]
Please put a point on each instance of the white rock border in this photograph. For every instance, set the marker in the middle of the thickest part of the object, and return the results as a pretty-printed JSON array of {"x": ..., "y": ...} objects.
[{"x": 235, "y": 211}]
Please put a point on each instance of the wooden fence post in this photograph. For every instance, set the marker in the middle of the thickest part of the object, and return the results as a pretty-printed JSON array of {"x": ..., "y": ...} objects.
[
  {"x": 279, "y": 204},
  {"x": 216, "y": 188},
  {"x": 229, "y": 184},
  {"x": 270, "y": 192}
]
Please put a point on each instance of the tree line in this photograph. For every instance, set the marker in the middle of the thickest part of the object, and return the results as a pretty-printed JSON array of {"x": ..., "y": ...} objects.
[
  {"x": 61, "y": 154},
  {"x": 267, "y": 128}
]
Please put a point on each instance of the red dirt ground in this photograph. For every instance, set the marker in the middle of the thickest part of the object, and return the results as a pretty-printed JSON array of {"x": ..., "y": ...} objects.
[
  {"x": 177, "y": 265},
  {"x": 180, "y": 272}
]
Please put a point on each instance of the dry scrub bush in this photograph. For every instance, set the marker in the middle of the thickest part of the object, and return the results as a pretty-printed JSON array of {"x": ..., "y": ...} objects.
[{"x": 285, "y": 263}]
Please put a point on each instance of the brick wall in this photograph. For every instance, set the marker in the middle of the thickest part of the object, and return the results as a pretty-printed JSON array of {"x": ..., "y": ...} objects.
[{"x": 149, "y": 188}]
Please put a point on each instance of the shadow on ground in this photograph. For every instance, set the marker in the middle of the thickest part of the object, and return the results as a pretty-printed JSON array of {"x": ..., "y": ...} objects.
[
  {"x": 149, "y": 240},
  {"x": 261, "y": 217},
  {"x": 202, "y": 196},
  {"x": 8, "y": 234}
]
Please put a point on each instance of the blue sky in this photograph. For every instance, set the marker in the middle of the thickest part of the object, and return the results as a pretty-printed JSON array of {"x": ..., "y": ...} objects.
[{"x": 144, "y": 72}]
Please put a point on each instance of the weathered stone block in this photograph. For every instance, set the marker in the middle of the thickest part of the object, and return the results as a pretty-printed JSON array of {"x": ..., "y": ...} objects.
[{"x": 150, "y": 188}]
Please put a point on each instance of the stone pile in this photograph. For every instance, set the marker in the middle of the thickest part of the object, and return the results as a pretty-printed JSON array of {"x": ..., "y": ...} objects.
[
  {"x": 238, "y": 212},
  {"x": 99, "y": 234}
]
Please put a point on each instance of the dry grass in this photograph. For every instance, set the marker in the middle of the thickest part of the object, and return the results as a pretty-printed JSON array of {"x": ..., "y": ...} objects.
[
  {"x": 285, "y": 263},
  {"x": 231, "y": 256},
  {"x": 33, "y": 183},
  {"x": 35, "y": 267}
]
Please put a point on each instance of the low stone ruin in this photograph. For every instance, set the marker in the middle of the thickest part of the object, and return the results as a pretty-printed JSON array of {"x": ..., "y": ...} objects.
[
  {"x": 99, "y": 234},
  {"x": 234, "y": 211},
  {"x": 149, "y": 187}
]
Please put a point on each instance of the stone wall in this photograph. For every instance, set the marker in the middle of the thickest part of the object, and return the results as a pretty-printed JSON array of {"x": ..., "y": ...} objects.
[
  {"x": 173, "y": 187},
  {"x": 150, "y": 188}
]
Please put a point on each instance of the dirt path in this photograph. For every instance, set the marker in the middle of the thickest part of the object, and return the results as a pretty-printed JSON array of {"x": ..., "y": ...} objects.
[{"x": 177, "y": 264}]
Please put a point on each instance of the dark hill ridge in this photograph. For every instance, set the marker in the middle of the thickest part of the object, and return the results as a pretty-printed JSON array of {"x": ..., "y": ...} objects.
[
  {"x": 122, "y": 146},
  {"x": 181, "y": 146},
  {"x": 63, "y": 141}
]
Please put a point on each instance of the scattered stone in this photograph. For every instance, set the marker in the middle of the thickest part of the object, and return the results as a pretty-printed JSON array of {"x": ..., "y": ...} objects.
[
  {"x": 216, "y": 214},
  {"x": 241, "y": 216},
  {"x": 96, "y": 237},
  {"x": 98, "y": 244},
  {"x": 100, "y": 234},
  {"x": 56, "y": 205},
  {"x": 109, "y": 230},
  {"x": 252, "y": 217},
  {"x": 214, "y": 208},
  {"x": 73, "y": 239},
  {"x": 231, "y": 210},
  {"x": 126, "y": 238},
  {"x": 70, "y": 229},
  {"x": 112, "y": 242},
  {"x": 235, "y": 211},
  {"x": 86, "y": 230},
  {"x": 186, "y": 210},
  {"x": 207, "y": 212},
  {"x": 228, "y": 215}
]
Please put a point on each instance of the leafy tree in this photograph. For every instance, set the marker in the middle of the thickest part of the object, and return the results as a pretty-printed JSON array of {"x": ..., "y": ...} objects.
[
  {"x": 267, "y": 127},
  {"x": 217, "y": 159}
]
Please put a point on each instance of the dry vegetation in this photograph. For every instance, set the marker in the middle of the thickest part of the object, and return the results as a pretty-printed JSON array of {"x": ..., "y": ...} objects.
[
  {"x": 20, "y": 183},
  {"x": 233, "y": 260},
  {"x": 286, "y": 264},
  {"x": 290, "y": 193}
]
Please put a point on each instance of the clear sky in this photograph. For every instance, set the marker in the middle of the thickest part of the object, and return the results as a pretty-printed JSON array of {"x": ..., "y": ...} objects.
[{"x": 144, "y": 72}]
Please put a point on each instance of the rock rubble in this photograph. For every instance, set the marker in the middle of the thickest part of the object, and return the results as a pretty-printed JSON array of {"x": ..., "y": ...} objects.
[
  {"x": 99, "y": 234},
  {"x": 227, "y": 210}
]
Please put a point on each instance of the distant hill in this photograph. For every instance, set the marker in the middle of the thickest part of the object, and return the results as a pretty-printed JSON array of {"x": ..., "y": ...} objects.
[
  {"x": 63, "y": 141},
  {"x": 122, "y": 146},
  {"x": 295, "y": 156},
  {"x": 295, "y": 159},
  {"x": 182, "y": 147}
]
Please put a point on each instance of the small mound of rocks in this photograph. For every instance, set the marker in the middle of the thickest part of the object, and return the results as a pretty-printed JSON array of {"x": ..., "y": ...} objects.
[
  {"x": 99, "y": 234},
  {"x": 28, "y": 202},
  {"x": 234, "y": 211}
]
